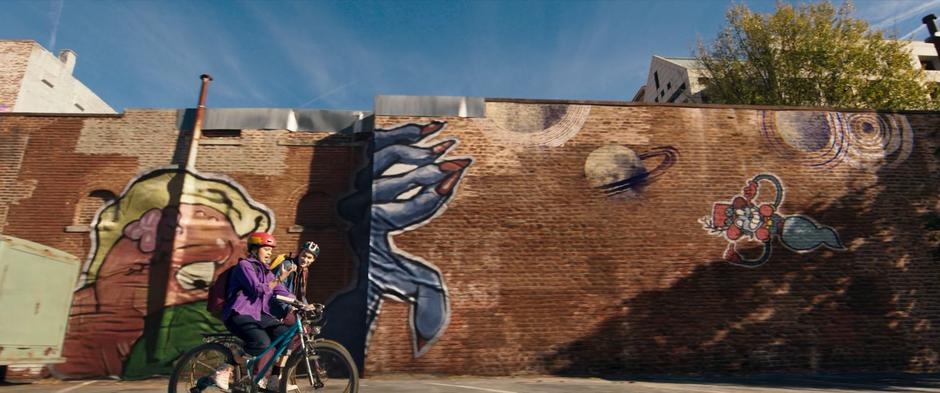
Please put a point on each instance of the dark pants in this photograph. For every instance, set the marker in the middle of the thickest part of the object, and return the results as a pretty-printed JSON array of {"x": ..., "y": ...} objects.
[{"x": 256, "y": 334}]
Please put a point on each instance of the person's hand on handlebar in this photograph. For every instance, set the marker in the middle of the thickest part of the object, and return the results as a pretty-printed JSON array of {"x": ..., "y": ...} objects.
[{"x": 290, "y": 301}]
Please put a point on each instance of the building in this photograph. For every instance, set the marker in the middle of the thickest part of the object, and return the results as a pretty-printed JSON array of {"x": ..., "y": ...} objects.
[
  {"x": 670, "y": 80},
  {"x": 34, "y": 80},
  {"x": 679, "y": 79},
  {"x": 468, "y": 235}
]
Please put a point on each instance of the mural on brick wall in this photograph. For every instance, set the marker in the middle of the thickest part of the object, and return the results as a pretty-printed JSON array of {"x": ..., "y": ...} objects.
[
  {"x": 155, "y": 249},
  {"x": 826, "y": 139},
  {"x": 620, "y": 171},
  {"x": 745, "y": 219},
  {"x": 410, "y": 184}
]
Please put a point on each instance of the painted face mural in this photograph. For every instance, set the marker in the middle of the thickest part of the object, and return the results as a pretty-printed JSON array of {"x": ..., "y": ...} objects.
[
  {"x": 744, "y": 219},
  {"x": 410, "y": 184},
  {"x": 155, "y": 249}
]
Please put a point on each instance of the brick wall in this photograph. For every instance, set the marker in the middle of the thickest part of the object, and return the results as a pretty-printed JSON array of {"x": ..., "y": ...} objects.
[
  {"x": 14, "y": 58},
  {"x": 54, "y": 168},
  {"x": 543, "y": 270},
  {"x": 546, "y": 273}
]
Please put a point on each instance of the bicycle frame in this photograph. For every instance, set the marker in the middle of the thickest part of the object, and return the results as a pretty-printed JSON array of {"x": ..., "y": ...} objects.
[{"x": 280, "y": 345}]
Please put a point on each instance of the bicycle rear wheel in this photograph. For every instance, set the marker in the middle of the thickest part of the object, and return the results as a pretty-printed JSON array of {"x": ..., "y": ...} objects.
[
  {"x": 195, "y": 369},
  {"x": 335, "y": 367}
]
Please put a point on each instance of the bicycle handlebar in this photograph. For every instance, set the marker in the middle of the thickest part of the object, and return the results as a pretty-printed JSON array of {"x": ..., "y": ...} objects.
[
  {"x": 313, "y": 307},
  {"x": 290, "y": 301}
]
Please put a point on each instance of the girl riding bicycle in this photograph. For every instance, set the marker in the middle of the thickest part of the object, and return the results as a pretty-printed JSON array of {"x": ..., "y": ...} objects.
[{"x": 248, "y": 311}]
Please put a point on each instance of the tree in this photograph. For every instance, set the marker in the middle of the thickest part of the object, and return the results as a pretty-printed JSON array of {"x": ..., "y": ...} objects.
[{"x": 810, "y": 55}]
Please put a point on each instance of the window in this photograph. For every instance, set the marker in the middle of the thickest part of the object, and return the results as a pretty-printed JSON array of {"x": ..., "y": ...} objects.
[
  {"x": 678, "y": 93},
  {"x": 80, "y": 107},
  {"x": 929, "y": 63},
  {"x": 48, "y": 83},
  {"x": 668, "y": 85},
  {"x": 656, "y": 78},
  {"x": 222, "y": 133}
]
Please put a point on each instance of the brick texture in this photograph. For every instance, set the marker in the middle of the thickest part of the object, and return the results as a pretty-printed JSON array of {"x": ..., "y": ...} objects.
[
  {"x": 546, "y": 273},
  {"x": 66, "y": 158},
  {"x": 14, "y": 58}
]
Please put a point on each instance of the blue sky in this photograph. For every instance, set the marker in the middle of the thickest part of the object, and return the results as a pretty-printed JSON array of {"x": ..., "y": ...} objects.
[{"x": 339, "y": 54}]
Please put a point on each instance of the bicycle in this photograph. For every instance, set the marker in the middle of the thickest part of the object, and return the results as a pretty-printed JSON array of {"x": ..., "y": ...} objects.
[{"x": 334, "y": 368}]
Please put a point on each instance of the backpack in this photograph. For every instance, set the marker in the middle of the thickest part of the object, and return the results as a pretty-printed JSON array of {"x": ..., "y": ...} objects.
[
  {"x": 215, "y": 303},
  {"x": 218, "y": 292}
]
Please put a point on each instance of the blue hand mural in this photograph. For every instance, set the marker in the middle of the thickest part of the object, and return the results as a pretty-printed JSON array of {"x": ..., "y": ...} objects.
[
  {"x": 390, "y": 200},
  {"x": 743, "y": 219}
]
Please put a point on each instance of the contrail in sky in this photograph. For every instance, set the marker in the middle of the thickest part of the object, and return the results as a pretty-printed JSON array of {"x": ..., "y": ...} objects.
[
  {"x": 56, "y": 16},
  {"x": 905, "y": 15},
  {"x": 329, "y": 93},
  {"x": 911, "y": 34}
]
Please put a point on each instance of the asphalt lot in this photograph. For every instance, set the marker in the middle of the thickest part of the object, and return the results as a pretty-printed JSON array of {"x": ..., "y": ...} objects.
[{"x": 536, "y": 384}]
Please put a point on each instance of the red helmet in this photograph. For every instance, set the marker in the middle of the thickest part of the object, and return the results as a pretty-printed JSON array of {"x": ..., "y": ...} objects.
[{"x": 261, "y": 239}]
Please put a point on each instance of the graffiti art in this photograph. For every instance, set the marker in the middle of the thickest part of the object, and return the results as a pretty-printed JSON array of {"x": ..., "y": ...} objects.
[
  {"x": 552, "y": 126},
  {"x": 155, "y": 250},
  {"x": 745, "y": 219},
  {"x": 826, "y": 139},
  {"x": 618, "y": 170},
  {"x": 410, "y": 184}
]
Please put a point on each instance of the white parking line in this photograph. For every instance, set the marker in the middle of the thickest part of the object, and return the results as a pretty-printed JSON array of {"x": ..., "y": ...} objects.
[
  {"x": 720, "y": 388},
  {"x": 470, "y": 387},
  {"x": 79, "y": 386}
]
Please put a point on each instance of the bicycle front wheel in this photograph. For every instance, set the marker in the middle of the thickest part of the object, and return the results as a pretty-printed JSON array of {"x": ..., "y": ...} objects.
[
  {"x": 332, "y": 364},
  {"x": 194, "y": 370}
]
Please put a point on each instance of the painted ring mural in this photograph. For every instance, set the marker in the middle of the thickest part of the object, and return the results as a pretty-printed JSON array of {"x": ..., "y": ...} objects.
[
  {"x": 618, "y": 170},
  {"x": 824, "y": 140}
]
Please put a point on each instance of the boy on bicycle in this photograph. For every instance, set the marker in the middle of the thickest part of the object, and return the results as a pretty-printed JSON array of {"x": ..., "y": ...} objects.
[{"x": 297, "y": 268}]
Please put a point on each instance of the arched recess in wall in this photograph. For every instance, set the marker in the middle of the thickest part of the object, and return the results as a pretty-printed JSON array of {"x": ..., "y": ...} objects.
[
  {"x": 87, "y": 207},
  {"x": 315, "y": 210},
  {"x": 315, "y": 219}
]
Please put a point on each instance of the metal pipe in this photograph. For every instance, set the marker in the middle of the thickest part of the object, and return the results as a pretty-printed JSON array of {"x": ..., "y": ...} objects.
[
  {"x": 932, "y": 28},
  {"x": 197, "y": 124}
]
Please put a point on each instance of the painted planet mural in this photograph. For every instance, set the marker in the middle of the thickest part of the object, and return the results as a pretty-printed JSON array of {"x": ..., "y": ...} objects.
[
  {"x": 619, "y": 170},
  {"x": 823, "y": 140}
]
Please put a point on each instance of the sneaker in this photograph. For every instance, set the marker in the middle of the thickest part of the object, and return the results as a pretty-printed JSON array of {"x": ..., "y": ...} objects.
[
  {"x": 272, "y": 383},
  {"x": 222, "y": 377}
]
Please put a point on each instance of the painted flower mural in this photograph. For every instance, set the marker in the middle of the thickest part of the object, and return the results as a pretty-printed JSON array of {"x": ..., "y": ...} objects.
[{"x": 744, "y": 219}]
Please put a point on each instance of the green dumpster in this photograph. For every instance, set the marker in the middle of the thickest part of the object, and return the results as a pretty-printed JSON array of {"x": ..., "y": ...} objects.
[{"x": 36, "y": 285}]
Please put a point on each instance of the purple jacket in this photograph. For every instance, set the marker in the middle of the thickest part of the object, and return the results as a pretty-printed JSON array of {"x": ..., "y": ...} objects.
[{"x": 249, "y": 291}]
